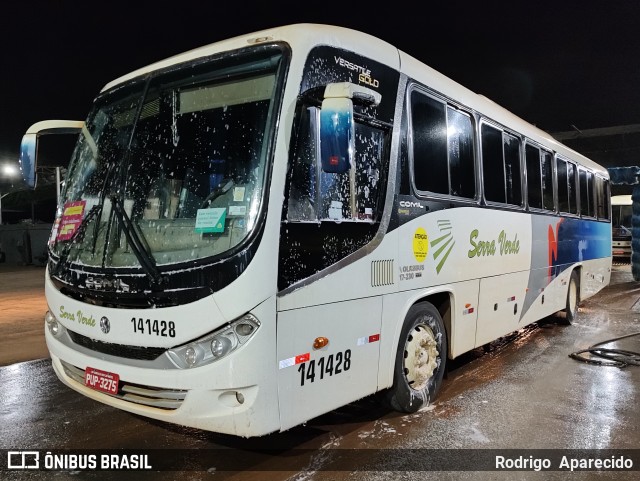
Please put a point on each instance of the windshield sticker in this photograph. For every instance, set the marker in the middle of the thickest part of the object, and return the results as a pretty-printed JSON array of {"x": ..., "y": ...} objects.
[
  {"x": 237, "y": 210},
  {"x": 71, "y": 219},
  {"x": 211, "y": 220},
  {"x": 238, "y": 194}
]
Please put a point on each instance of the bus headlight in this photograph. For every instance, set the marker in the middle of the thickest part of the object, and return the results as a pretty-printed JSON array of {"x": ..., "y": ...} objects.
[
  {"x": 221, "y": 346},
  {"x": 190, "y": 356},
  {"x": 216, "y": 345},
  {"x": 55, "y": 328}
]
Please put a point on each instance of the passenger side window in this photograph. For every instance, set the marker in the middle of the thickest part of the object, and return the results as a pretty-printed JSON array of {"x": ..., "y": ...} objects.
[
  {"x": 563, "y": 193},
  {"x": 462, "y": 178},
  {"x": 602, "y": 198},
  {"x": 511, "y": 146},
  {"x": 539, "y": 178},
  {"x": 429, "y": 129},
  {"x": 501, "y": 166},
  {"x": 572, "y": 189},
  {"x": 443, "y": 159},
  {"x": 493, "y": 164},
  {"x": 547, "y": 182},
  {"x": 586, "y": 193},
  {"x": 567, "y": 187},
  {"x": 534, "y": 185}
]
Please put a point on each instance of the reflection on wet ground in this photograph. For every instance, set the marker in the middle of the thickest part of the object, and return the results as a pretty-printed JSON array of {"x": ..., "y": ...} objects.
[{"x": 522, "y": 391}]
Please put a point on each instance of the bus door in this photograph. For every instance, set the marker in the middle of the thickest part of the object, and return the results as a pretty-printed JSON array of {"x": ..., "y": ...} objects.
[{"x": 331, "y": 280}]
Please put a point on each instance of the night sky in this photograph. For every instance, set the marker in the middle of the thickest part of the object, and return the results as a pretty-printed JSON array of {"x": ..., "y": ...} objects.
[{"x": 554, "y": 63}]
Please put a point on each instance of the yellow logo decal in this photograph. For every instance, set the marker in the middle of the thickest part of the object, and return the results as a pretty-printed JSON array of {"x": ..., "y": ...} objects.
[{"x": 420, "y": 244}]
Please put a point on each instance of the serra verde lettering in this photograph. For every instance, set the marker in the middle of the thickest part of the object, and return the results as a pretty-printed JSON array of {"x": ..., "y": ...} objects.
[
  {"x": 503, "y": 246},
  {"x": 78, "y": 317}
]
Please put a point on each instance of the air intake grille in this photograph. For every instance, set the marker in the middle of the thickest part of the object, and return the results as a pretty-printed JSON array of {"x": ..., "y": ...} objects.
[
  {"x": 381, "y": 273},
  {"x": 119, "y": 350}
]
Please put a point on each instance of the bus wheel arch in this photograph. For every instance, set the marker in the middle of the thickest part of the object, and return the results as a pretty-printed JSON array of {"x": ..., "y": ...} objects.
[
  {"x": 420, "y": 359},
  {"x": 443, "y": 302}
]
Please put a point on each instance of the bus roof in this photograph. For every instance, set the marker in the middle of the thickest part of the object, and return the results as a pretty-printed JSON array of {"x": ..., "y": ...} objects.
[
  {"x": 306, "y": 36},
  {"x": 303, "y": 35}
]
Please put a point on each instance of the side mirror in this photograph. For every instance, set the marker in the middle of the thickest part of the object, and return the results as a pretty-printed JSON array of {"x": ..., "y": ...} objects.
[
  {"x": 28, "y": 152},
  {"x": 29, "y": 145},
  {"x": 337, "y": 140},
  {"x": 336, "y": 135}
]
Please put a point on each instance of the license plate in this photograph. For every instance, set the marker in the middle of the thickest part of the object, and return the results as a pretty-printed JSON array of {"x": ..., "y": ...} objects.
[{"x": 101, "y": 380}]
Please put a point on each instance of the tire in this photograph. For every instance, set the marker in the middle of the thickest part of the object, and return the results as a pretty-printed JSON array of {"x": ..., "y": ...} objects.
[
  {"x": 420, "y": 360},
  {"x": 573, "y": 299}
]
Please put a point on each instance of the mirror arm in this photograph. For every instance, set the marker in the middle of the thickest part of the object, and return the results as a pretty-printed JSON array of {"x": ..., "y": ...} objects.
[
  {"x": 29, "y": 146},
  {"x": 357, "y": 93},
  {"x": 56, "y": 127}
]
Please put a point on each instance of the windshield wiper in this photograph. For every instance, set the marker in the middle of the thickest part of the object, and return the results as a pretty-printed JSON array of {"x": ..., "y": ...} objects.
[{"x": 137, "y": 243}]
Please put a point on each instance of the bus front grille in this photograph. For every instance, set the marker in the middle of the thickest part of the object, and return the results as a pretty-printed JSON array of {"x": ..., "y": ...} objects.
[
  {"x": 119, "y": 350},
  {"x": 168, "y": 399}
]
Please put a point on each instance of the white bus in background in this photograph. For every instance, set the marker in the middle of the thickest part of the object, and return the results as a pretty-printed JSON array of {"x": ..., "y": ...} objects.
[
  {"x": 259, "y": 231},
  {"x": 621, "y": 213}
]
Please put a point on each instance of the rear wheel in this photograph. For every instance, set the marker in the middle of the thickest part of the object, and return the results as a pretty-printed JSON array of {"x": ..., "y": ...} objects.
[
  {"x": 420, "y": 360},
  {"x": 573, "y": 299}
]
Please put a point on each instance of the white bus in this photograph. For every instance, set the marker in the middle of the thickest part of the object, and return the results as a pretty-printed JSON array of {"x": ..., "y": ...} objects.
[
  {"x": 262, "y": 230},
  {"x": 621, "y": 213}
]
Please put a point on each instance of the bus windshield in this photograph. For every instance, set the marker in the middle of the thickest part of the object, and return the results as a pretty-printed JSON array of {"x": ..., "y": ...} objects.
[
  {"x": 177, "y": 160},
  {"x": 622, "y": 210}
]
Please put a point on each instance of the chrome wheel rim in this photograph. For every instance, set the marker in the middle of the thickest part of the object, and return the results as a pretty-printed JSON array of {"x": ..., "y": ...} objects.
[{"x": 420, "y": 356}]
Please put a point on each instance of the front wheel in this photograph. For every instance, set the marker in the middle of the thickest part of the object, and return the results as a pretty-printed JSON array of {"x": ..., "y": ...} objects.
[{"x": 420, "y": 360}]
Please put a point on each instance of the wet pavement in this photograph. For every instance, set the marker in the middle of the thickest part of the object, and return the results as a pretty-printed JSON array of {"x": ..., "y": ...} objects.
[
  {"x": 22, "y": 309},
  {"x": 523, "y": 391}
]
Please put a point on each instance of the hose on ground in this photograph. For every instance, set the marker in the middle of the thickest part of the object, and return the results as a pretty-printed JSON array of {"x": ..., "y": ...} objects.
[{"x": 608, "y": 357}]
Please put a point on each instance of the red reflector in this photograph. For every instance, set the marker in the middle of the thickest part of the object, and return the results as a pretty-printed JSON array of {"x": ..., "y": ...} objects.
[
  {"x": 333, "y": 160},
  {"x": 302, "y": 358},
  {"x": 374, "y": 338}
]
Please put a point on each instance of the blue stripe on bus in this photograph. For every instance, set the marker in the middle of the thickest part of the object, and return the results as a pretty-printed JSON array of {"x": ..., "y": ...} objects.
[{"x": 582, "y": 240}]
